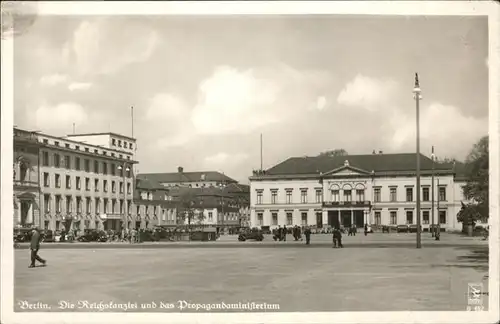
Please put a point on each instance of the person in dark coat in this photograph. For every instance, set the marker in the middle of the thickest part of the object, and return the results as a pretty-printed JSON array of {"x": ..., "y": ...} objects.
[
  {"x": 284, "y": 232},
  {"x": 34, "y": 247},
  {"x": 337, "y": 238},
  {"x": 366, "y": 229},
  {"x": 307, "y": 233}
]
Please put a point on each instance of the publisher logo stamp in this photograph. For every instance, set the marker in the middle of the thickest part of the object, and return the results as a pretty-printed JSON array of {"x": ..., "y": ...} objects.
[{"x": 475, "y": 297}]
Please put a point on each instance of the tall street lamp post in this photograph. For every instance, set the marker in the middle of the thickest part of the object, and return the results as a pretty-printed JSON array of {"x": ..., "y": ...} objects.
[
  {"x": 418, "y": 97},
  {"x": 432, "y": 193}
]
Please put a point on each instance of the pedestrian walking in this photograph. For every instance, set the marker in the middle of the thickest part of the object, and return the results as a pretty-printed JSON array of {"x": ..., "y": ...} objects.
[
  {"x": 366, "y": 229},
  {"x": 337, "y": 238},
  {"x": 284, "y": 232},
  {"x": 307, "y": 233},
  {"x": 34, "y": 247}
]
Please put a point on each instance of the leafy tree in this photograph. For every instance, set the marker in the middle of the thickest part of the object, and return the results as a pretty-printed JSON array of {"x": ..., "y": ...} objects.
[
  {"x": 336, "y": 152},
  {"x": 186, "y": 207},
  {"x": 476, "y": 190}
]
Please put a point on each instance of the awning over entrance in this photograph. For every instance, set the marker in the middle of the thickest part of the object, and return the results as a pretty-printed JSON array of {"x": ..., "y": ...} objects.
[{"x": 26, "y": 196}]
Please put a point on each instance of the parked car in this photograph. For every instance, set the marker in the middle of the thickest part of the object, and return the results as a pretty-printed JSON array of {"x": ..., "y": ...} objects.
[
  {"x": 48, "y": 236},
  {"x": 93, "y": 236},
  {"x": 413, "y": 228},
  {"x": 22, "y": 235},
  {"x": 253, "y": 234},
  {"x": 402, "y": 229}
]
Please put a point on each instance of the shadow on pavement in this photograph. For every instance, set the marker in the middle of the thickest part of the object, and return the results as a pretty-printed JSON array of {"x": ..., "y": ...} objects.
[{"x": 477, "y": 258}]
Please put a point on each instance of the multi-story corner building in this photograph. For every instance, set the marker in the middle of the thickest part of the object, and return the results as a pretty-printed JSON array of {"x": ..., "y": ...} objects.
[
  {"x": 241, "y": 193},
  {"x": 153, "y": 205},
  {"x": 354, "y": 190},
  {"x": 190, "y": 179},
  {"x": 211, "y": 206},
  {"x": 82, "y": 185},
  {"x": 26, "y": 179}
]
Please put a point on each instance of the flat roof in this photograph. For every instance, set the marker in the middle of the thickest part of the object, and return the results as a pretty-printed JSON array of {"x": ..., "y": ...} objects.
[{"x": 107, "y": 133}]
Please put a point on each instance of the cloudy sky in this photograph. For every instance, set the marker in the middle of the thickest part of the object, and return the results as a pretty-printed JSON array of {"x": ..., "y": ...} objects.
[{"x": 205, "y": 88}]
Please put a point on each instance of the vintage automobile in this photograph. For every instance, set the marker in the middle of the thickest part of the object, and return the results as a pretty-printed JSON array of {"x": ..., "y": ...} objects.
[
  {"x": 253, "y": 234},
  {"x": 413, "y": 228},
  {"x": 92, "y": 235},
  {"x": 22, "y": 235},
  {"x": 402, "y": 229}
]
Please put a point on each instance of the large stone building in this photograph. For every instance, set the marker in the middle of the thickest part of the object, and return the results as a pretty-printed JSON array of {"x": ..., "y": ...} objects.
[
  {"x": 355, "y": 190},
  {"x": 72, "y": 182}
]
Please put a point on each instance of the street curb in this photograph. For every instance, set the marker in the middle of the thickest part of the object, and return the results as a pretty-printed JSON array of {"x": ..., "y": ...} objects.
[{"x": 174, "y": 245}]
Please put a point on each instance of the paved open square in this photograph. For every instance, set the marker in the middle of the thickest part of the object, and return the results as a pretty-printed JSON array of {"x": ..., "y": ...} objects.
[{"x": 298, "y": 278}]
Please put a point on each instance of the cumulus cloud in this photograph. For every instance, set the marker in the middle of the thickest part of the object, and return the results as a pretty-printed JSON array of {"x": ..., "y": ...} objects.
[
  {"x": 223, "y": 159},
  {"x": 92, "y": 52},
  {"x": 240, "y": 101},
  {"x": 75, "y": 86},
  {"x": 61, "y": 116},
  {"x": 443, "y": 126},
  {"x": 233, "y": 101},
  {"x": 53, "y": 79},
  {"x": 367, "y": 92},
  {"x": 170, "y": 116}
]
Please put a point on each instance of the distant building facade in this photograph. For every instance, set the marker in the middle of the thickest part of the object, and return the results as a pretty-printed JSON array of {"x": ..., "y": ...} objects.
[
  {"x": 375, "y": 189},
  {"x": 190, "y": 179},
  {"x": 153, "y": 206}
]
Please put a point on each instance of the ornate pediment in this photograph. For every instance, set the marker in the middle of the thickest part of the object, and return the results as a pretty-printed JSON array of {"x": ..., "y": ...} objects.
[{"x": 347, "y": 170}]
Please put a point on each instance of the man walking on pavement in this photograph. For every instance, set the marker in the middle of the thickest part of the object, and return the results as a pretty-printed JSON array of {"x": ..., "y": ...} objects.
[
  {"x": 35, "y": 246},
  {"x": 307, "y": 233}
]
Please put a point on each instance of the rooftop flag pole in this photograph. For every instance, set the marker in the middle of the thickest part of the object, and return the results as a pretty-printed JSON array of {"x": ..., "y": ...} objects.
[{"x": 261, "y": 163}]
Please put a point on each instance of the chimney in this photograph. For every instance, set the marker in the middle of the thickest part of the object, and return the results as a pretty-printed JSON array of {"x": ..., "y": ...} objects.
[
  {"x": 180, "y": 169},
  {"x": 380, "y": 152}
]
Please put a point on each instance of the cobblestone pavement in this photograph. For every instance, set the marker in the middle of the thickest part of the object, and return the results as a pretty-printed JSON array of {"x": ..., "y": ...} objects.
[{"x": 360, "y": 277}]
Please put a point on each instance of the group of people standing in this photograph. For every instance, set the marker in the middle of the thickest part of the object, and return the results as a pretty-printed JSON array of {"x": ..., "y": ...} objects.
[{"x": 279, "y": 234}]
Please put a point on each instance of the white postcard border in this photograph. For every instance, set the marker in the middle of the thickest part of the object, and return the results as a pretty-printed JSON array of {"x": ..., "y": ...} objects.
[{"x": 444, "y": 8}]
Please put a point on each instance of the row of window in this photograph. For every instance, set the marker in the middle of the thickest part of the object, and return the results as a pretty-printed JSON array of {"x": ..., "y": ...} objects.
[
  {"x": 288, "y": 197},
  {"x": 409, "y": 217},
  {"x": 88, "y": 185},
  {"x": 118, "y": 143},
  {"x": 393, "y": 194},
  {"x": 88, "y": 204},
  {"x": 87, "y": 149},
  {"x": 75, "y": 163},
  {"x": 378, "y": 219},
  {"x": 347, "y": 195},
  {"x": 289, "y": 218},
  {"x": 96, "y": 202}
]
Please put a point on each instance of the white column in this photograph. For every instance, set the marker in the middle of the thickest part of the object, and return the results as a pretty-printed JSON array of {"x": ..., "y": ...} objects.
[
  {"x": 29, "y": 219},
  {"x": 352, "y": 217},
  {"x": 325, "y": 217}
]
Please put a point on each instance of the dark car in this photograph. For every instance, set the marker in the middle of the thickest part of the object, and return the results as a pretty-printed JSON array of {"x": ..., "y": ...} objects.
[
  {"x": 93, "y": 236},
  {"x": 48, "y": 236},
  {"x": 22, "y": 235},
  {"x": 413, "y": 228},
  {"x": 402, "y": 229},
  {"x": 251, "y": 235}
]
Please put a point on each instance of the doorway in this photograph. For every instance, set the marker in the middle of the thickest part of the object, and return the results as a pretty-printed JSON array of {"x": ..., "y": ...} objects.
[{"x": 346, "y": 218}]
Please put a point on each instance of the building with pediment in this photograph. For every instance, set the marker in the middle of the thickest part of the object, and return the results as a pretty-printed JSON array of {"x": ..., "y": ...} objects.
[{"x": 374, "y": 189}]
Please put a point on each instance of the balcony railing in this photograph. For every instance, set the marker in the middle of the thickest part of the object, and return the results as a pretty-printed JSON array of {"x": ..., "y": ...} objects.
[
  {"x": 25, "y": 183},
  {"x": 364, "y": 203}
]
